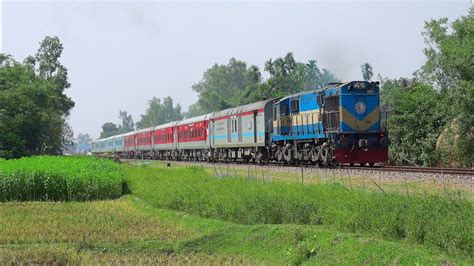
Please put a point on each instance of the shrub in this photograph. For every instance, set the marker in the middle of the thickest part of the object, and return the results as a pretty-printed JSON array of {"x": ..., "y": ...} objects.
[
  {"x": 446, "y": 222},
  {"x": 55, "y": 178}
]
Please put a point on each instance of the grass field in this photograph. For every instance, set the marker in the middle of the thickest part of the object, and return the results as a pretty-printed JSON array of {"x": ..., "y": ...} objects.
[
  {"x": 145, "y": 227},
  {"x": 365, "y": 179},
  {"x": 59, "y": 178}
]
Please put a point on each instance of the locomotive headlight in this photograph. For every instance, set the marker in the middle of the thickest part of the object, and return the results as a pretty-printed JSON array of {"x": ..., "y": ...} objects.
[
  {"x": 363, "y": 143},
  {"x": 360, "y": 107}
]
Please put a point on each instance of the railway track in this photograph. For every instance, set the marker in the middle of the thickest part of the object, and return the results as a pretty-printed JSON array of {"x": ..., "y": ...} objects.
[{"x": 434, "y": 170}]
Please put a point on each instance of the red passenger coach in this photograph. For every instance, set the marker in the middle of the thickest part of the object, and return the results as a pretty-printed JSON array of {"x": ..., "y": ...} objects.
[
  {"x": 193, "y": 142},
  {"x": 144, "y": 141},
  {"x": 163, "y": 136},
  {"x": 193, "y": 132},
  {"x": 164, "y": 139}
]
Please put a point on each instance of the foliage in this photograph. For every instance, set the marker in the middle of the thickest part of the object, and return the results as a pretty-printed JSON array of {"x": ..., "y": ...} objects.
[
  {"x": 158, "y": 113},
  {"x": 127, "y": 124},
  {"x": 417, "y": 115},
  {"x": 226, "y": 86},
  {"x": 221, "y": 85},
  {"x": 109, "y": 129},
  {"x": 438, "y": 100},
  {"x": 449, "y": 67},
  {"x": 442, "y": 222},
  {"x": 367, "y": 71},
  {"x": 83, "y": 139},
  {"x": 288, "y": 76},
  {"x": 131, "y": 231},
  {"x": 193, "y": 110},
  {"x": 59, "y": 179},
  {"x": 33, "y": 105}
]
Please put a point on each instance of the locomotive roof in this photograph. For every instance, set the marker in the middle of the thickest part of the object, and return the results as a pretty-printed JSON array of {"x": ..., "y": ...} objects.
[
  {"x": 241, "y": 109},
  {"x": 332, "y": 85}
]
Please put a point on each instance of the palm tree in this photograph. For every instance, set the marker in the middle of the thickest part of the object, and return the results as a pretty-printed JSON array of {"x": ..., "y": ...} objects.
[
  {"x": 269, "y": 67},
  {"x": 290, "y": 63},
  {"x": 255, "y": 74},
  {"x": 367, "y": 71},
  {"x": 280, "y": 68},
  {"x": 312, "y": 74}
]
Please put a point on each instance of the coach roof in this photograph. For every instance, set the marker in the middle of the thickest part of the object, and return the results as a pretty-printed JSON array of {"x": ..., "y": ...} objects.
[
  {"x": 242, "y": 109},
  {"x": 194, "y": 119}
]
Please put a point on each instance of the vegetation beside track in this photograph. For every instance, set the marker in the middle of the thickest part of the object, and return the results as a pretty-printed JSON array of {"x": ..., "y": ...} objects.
[
  {"x": 445, "y": 222},
  {"x": 142, "y": 228},
  {"x": 131, "y": 231},
  {"x": 55, "y": 178}
]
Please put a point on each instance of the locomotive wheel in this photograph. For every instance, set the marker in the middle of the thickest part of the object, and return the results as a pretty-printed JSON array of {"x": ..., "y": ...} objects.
[
  {"x": 313, "y": 155},
  {"x": 288, "y": 156},
  {"x": 279, "y": 154}
]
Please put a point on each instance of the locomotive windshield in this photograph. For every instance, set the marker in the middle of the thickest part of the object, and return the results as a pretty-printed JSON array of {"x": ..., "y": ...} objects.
[{"x": 363, "y": 85}]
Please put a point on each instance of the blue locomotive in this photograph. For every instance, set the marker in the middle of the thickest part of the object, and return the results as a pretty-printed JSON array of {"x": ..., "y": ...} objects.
[{"x": 340, "y": 123}]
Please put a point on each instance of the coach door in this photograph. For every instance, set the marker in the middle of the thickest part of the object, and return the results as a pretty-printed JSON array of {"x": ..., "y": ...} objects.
[
  {"x": 254, "y": 125},
  {"x": 239, "y": 128},
  {"x": 229, "y": 129}
]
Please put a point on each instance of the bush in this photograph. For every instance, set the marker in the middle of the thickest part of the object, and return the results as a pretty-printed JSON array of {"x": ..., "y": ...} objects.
[
  {"x": 446, "y": 222},
  {"x": 54, "y": 178}
]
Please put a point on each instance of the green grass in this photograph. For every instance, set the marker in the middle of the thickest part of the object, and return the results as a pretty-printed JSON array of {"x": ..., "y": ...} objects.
[
  {"x": 443, "y": 222},
  {"x": 185, "y": 216},
  {"x": 131, "y": 231},
  {"x": 54, "y": 178}
]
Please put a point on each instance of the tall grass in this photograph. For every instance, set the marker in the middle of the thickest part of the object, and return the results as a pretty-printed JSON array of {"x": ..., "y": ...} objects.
[
  {"x": 54, "y": 178},
  {"x": 445, "y": 222}
]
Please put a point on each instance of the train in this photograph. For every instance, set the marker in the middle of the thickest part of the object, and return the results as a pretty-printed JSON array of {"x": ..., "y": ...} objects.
[{"x": 337, "y": 124}]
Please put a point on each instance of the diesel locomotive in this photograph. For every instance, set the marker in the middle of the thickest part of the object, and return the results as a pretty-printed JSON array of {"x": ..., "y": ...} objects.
[{"x": 337, "y": 124}]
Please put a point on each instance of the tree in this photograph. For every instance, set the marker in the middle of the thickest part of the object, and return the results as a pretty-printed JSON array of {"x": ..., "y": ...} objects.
[
  {"x": 287, "y": 76},
  {"x": 416, "y": 118},
  {"x": 68, "y": 139},
  {"x": 33, "y": 106},
  {"x": 367, "y": 71},
  {"x": 109, "y": 129},
  {"x": 83, "y": 139},
  {"x": 193, "y": 110},
  {"x": 449, "y": 68},
  {"x": 223, "y": 86},
  {"x": 127, "y": 122},
  {"x": 159, "y": 112}
]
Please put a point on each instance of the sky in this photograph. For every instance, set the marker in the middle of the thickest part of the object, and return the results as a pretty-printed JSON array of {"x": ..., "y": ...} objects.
[{"x": 121, "y": 54}]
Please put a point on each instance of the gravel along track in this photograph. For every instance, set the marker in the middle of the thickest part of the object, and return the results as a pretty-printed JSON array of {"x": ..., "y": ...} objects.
[{"x": 418, "y": 177}]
